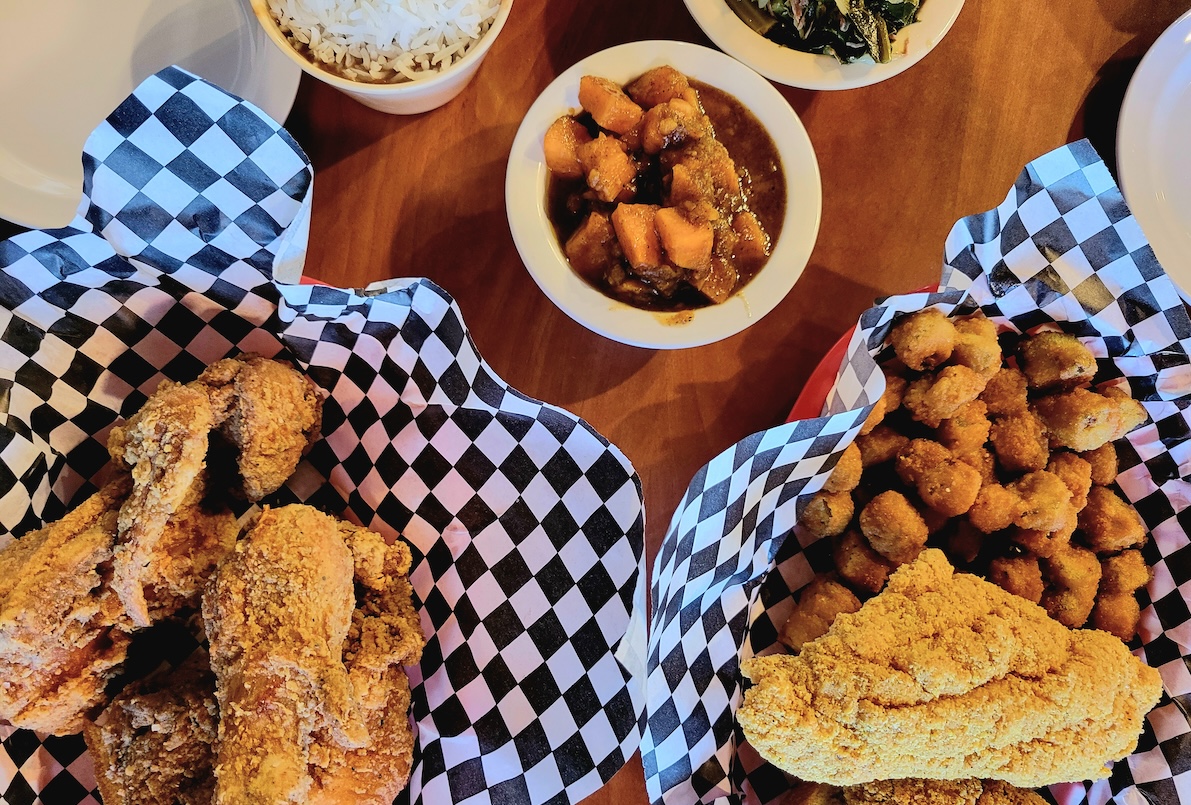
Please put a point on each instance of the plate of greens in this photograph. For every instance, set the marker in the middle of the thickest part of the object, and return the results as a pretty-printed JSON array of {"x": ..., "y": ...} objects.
[{"x": 826, "y": 44}]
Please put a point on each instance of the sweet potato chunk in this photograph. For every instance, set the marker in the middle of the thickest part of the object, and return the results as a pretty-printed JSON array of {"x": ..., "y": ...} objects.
[
  {"x": 609, "y": 106},
  {"x": 592, "y": 247},
  {"x": 670, "y": 124},
  {"x": 561, "y": 144},
  {"x": 752, "y": 244},
  {"x": 687, "y": 243},
  {"x": 610, "y": 172},
  {"x": 634, "y": 225},
  {"x": 717, "y": 282},
  {"x": 659, "y": 85}
]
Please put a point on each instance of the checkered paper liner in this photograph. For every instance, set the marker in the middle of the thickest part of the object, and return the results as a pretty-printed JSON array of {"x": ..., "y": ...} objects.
[
  {"x": 526, "y": 524},
  {"x": 1062, "y": 248}
]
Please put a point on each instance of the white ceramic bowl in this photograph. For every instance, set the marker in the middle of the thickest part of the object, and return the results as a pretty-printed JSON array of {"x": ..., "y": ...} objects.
[
  {"x": 405, "y": 98},
  {"x": 525, "y": 201},
  {"x": 810, "y": 70}
]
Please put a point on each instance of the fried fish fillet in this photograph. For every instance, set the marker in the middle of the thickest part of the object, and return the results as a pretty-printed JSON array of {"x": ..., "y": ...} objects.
[
  {"x": 946, "y": 676},
  {"x": 914, "y": 792},
  {"x": 278, "y": 612},
  {"x": 154, "y": 744},
  {"x": 62, "y": 634}
]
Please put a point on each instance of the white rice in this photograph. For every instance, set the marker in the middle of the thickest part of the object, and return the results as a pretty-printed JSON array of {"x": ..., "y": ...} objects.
[{"x": 384, "y": 41}]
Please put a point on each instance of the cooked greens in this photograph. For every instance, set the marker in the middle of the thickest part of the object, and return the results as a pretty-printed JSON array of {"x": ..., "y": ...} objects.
[{"x": 846, "y": 29}]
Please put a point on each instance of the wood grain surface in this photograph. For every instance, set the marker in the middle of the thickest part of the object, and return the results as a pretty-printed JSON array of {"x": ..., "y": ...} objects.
[{"x": 900, "y": 161}]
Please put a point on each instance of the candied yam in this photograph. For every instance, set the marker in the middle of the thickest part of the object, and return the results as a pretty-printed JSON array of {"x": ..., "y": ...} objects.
[
  {"x": 635, "y": 232},
  {"x": 686, "y": 189},
  {"x": 593, "y": 246},
  {"x": 687, "y": 243},
  {"x": 716, "y": 282},
  {"x": 561, "y": 145},
  {"x": 609, "y": 171},
  {"x": 670, "y": 124},
  {"x": 663, "y": 278},
  {"x": 608, "y": 105},
  {"x": 752, "y": 243},
  {"x": 658, "y": 85}
]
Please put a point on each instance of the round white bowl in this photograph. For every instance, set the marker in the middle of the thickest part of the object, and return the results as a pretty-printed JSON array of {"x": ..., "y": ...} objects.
[
  {"x": 403, "y": 98},
  {"x": 810, "y": 70},
  {"x": 525, "y": 201}
]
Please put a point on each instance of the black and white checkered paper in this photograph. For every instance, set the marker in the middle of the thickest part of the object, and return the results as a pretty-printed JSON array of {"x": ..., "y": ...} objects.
[
  {"x": 1062, "y": 248},
  {"x": 526, "y": 524}
]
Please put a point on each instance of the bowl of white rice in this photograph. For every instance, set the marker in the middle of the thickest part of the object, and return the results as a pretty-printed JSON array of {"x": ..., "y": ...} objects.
[{"x": 398, "y": 56}]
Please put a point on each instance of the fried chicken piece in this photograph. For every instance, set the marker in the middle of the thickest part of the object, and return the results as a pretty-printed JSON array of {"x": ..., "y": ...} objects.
[
  {"x": 923, "y": 340},
  {"x": 192, "y": 544},
  {"x": 165, "y": 446},
  {"x": 967, "y": 431},
  {"x": 1082, "y": 420},
  {"x": 1076, "y": 473},
  {"x": 881, "y": 444},
  {"x": 1046, "y": 502},
  {"x": 1019, "y": 440},
  {"x": 846, "y": 475},
  {"x": 1074, "y": 574},
  {"x": 827, "y": 514},
  {"x": 278, "y": 611},
  {"x": 1020, "y": 575},
  {"x": 949, "y": 488},
  {"x": 858, "y": 564},
  {"x": 155, "y": 742},
  {"x": 1056, "y": 360},
  {"x": 1020, "y": 698},
  {"x": 385, "y": 635},
  {"x": 893, "y": 527},
  {"x": 1103, "y": 461},
  {"x": 268, "y": 412},
  {"x": 1005, "y": 393},
  {"x": 62, "y": 634},
  {"x": 930, "y": 400},
  {"x": 818, "y": 605},
  {"x": 1109, "y": 523},
  {"x": 940, "y": 792},
  {"x": 996, "y": 507}
]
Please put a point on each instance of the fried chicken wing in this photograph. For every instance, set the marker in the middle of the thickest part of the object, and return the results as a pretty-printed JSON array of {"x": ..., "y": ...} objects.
[
  {"x": 1019, "y": 697},
  {"x": 62, "y": 634},
  {"x": 278, "y": 612},
  {"x": 155, "y": 743}
]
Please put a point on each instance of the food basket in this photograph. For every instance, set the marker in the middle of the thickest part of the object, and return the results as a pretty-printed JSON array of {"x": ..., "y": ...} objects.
[
  {"x": 1062, "y": 248},
  {"x": 526, "y": 524}
]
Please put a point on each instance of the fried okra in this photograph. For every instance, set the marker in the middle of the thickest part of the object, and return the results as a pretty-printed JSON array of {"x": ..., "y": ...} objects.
[
  {"x": 1103, "y": 461},
  {"x": 817, "y": 607},
  {"x": 893, "y": 527},
  {"x": 846, "y": 475},
  {"x": 1117, "y": 610},
  {"x": 1005, "y": 393},
  {"x": 1074, "y": 576},
  {"x": 891, "y": 400},
  {"x": 967, "y": 430},
  {"x": 917, "y": 456},
  {"x": 1110, "y": 524},
  {"x": 1056, "y": 360},
  {"x": 930, "y": 400},
  {"x": 1019, "y": 440},
  {"x": 1124, "y": 573},
  {"x": 1075, "y": 473},
  {"x": 995, "y": 508},
  {"x": 976, "y": 346},
  {"x": 858, "y": 564},
  {"x": 1046, "y": 501},
  {"x": 1082, "y": 420},
  {"x": 950, "y": 487},
  {"x": 1020, "y": 575},
  {"x": 827, "y": 514},
  {"x": 923, "y": 340},
  {"x": 881, "y": 445}
]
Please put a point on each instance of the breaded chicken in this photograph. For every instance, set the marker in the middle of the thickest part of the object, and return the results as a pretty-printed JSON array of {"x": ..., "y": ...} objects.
[
  {"x": 1018, "y": 697},
  {"x": 62, "y": 633},
  {"x": 155, "y": 743},
  {"x": 914, "y": 792}
]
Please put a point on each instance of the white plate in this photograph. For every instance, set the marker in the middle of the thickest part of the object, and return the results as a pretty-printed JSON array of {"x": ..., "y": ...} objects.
[
  {"x": 525, "y": 197},
  {"x": 1154, "y": 150},
  {"x": 80, "y": 58},
  {"x": 810, "y": 70}
]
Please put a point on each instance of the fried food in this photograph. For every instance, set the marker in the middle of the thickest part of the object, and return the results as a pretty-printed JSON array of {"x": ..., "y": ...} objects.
[
  {"x": 1046, "y": 502},
  {"x": 1124, "y": 573},
  {"x": 1056, "y": 360},
  {"x": 967, "y": 430},
  {"x": 1103, "y": 461},
  {"x": 917, "y": 457},
  {"x": 949, "y": 488},
  {"x": 1074, "y": 576},
  {"x": 155, "y": 742},
  {"x": 278, "y": 611},
  {"x": 1082, "y": 420},
  {"x": 931, "y": 399},
  {"x": 1005, "y": 394},
  {"x": 923, "y": 340},
  {"x": 846, "y": 474},
  {"x": 891, "y": 400},
  {"x": 1117, "y": 613},
  {"x": 996, "y": 507},
  {"x": 939, "y": 792},
  {"x": 827, "y": 514},
  {"x": 1019, "y": 440},
  {"x": 858, "y": 564},
  {"x": 893, "y": 527},
  {"x": 817, "y": 607},
  {"x": 935, "y": 650},
  {"x": 1076, "y": 473},
  {"x": 881, "y": 444},
  {"x": 976, "y": 346},
  {"x": 62, "y": 634},
  {"x": 1020, "y": 575},
  {"x": 1110, "y": 524}
]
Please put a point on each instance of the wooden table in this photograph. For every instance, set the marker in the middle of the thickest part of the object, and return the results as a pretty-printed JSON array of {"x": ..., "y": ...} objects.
[{"x": 901, "y": 161}]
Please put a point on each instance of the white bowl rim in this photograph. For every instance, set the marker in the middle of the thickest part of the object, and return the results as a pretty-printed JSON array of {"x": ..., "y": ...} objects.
[
  {"x": 534, "y": 237},
  {"x": 812, "y": 71},
  {"x": 476, "y": 53}
]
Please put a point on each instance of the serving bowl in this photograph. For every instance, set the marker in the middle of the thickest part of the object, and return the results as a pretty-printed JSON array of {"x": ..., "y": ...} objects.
[
  {"x": 527, "y": 177},
  {"x": 400, "y": 98},
  {"x": 811, "y": 70}
]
